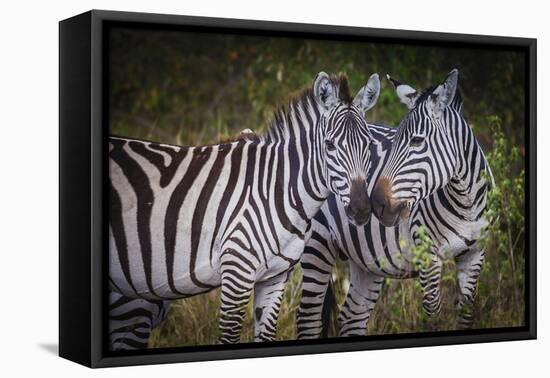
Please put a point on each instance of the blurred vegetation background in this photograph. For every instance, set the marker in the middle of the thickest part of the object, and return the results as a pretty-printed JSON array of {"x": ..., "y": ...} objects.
[{"x": 191, "y": 88}]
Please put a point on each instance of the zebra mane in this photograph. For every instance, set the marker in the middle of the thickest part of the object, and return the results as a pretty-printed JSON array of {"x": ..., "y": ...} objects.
[
  {"x": 456, "y": 103},
  {"x": 424, "y": 95},
  {"x": 303, "y": 100}
]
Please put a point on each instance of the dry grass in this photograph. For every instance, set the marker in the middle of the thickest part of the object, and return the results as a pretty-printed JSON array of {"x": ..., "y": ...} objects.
[{"x": 194, "y": 321}]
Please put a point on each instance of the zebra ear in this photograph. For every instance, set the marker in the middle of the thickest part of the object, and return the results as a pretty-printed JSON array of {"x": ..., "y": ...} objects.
[
  {"x": 407, "y": 94},
  {"x": 444, "y": 94},
  {"x": 368, "y": 95},
  {"x": 324, "y": 90}
]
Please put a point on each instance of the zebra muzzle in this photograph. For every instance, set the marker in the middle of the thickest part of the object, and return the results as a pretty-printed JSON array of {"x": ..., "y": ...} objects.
[
  {"x": 388, "y": 210},
  {"x": 359, "y": 208}
]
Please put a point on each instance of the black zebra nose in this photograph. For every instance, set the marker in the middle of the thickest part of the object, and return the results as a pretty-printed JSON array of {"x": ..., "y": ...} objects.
[{"x": 359, "y": 208}]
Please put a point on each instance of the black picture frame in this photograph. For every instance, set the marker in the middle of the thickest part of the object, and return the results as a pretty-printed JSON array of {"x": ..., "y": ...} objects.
[{"x": 82, "y": 136}]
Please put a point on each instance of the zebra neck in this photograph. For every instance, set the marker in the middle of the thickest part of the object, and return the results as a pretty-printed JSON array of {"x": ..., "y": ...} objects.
[
  {"x": 467, "y": 190},
  {"x": 296, "y": 137},
  {"x": 298, "y": 165}
]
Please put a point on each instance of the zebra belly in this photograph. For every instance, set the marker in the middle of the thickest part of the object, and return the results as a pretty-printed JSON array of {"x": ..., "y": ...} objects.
[
  {"x": 285, "y": 260},
  {"x": 178, "y": 264},
  {"x": 180, "y": 284}
]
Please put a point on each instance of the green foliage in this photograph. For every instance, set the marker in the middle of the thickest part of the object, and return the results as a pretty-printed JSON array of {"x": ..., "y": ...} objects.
[
  {"x": 506, "y": 200},
  {"x": 421, "y": 252},
  {"x": 505, "y": 235},
  {"x": 199, "y": 88}
]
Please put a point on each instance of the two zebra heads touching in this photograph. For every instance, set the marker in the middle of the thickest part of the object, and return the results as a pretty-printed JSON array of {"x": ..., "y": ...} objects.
[{"x": 240, "y": 215}]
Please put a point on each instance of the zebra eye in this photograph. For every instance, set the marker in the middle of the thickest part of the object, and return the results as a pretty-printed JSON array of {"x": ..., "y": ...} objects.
[
  {"x": 417, "y": 141},
  {"x": 330, "y": 145}
]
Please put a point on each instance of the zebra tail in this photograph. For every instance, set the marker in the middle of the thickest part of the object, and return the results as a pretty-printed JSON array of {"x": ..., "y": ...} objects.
[{"x": 328, "y": 312}]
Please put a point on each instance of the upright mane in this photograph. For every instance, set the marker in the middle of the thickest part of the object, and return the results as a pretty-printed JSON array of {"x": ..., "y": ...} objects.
[
  {"x": 424, "y": 95},
  {"x": 456, "y": 103},
  {"x": 304, "y": 99}
]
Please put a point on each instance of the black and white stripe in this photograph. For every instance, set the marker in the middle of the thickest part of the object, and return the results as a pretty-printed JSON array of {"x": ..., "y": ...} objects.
[
  {"x": 185, "y": 220},
  {"x": 431, "y": 176},
  {"x": 131, "y": 320}
]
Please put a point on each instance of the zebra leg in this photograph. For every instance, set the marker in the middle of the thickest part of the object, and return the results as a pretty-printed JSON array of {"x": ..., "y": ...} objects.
[
  {"x": 430, "y": 281},
  {"x": 468, "y": 269},
  {"x": 237, "y": 282},
  {"x": 162, "y": 312},
  {"x": 317, "y": 262},
  {"x": 363, "y": 293},
  {"x": 132, "y": 319},
  {"x": 267, "y": 303}
]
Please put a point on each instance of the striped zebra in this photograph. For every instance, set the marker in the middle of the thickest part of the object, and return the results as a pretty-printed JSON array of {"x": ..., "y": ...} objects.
[
  {"x": 430, "y": 172},
  {"x": 185, "y": 220},
  {"x": 132, "y": 319}
]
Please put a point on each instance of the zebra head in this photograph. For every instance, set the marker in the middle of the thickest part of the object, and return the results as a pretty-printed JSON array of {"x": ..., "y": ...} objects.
[
  {"x": 423, "y": 156},
  {"x": 345, "y": 140}
]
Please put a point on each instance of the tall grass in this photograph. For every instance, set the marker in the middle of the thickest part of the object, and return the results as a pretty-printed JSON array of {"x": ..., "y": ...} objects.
[{"x": 194, "y": 321}]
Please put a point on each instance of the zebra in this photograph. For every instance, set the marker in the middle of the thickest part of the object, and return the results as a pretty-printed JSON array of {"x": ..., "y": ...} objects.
[
  {"x": 132, "y": 319},
  {"x": 429, "y": 174},
  {"x": 186, "y": 220}
]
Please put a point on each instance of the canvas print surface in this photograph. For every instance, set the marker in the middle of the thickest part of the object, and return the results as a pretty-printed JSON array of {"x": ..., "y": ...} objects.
[{"x": 268, "y": 188}]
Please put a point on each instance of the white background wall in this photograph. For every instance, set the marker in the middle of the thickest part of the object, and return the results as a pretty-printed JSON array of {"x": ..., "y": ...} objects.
[{"x": 29, "y": 189}]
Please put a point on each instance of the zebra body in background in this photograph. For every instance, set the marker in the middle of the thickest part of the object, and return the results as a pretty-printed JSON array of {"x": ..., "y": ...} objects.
[
  {"x": 132, "y": 319},
  {"x": 435, "y": 141},
  {"x": 185, "y": 220}
]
